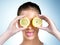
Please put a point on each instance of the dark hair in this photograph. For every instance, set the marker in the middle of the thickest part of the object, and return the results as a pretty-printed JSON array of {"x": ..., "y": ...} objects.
[{"x": 28, "y": 5}]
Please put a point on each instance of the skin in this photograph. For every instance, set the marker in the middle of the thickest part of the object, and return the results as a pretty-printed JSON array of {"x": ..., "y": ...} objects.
[
  {"x": 51, "y": 28},
  {"x": 32, "y": 39},
  {"x": 11, "y": 30}
]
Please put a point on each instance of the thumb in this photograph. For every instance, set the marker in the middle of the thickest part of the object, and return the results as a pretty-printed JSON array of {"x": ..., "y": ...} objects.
[
  {"x": 43, "y": 28},
  {"x": 21, "y": 29}
]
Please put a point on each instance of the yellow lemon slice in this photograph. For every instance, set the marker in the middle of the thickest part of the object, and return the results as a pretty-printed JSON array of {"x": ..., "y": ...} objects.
[
  {"x": 24, "y": 22},
  {"x": 37, "y": 22}
]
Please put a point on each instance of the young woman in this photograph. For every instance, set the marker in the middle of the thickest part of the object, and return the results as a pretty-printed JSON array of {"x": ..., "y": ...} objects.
[{"x": 30, "y": 34}]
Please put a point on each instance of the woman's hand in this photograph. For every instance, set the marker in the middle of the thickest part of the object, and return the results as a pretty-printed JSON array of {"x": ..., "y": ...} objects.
[
  {"x": 51, "y": 28},
  {"x": 12, "y": 29}
]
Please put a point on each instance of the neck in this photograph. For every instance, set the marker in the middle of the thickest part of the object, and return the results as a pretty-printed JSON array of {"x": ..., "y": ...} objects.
[{"x": 35, "y": 41}]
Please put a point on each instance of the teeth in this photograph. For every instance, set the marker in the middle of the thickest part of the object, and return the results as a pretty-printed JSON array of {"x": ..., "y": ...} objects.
[{"x": 37, "y": 22}]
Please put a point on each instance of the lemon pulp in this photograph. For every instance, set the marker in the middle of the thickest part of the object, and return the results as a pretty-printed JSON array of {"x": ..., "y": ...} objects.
[
  {"x": 37, "y": 22},
  {"x": 24, "y": 22}
]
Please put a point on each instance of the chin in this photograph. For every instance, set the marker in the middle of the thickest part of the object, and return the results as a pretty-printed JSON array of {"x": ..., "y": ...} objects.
[{"x": 30, "y": 38}]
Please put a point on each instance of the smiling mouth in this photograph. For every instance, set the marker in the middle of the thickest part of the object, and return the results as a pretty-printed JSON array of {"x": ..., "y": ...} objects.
[{"x": 30, "y": 34}]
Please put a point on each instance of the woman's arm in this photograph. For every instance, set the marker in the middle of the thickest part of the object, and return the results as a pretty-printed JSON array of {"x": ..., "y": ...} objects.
[
  {"x": 5, "y": 36},
  {"x": 11, "y": 30},
  {"x": 51, "y": 28},
  {"x": 57, "y": 34}
]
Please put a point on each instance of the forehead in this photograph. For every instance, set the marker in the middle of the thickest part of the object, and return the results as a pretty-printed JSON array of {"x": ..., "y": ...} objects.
[{"x": 30, "y": 13}]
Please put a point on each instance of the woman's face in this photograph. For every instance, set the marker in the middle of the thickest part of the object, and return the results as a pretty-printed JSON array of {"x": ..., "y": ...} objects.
[{"x": 31, "y": 32}]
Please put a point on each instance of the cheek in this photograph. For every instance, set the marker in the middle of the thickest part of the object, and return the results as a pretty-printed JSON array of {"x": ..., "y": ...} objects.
[
  {"x": 23, "y": 32},
  {"x": 36, "y": 31}
]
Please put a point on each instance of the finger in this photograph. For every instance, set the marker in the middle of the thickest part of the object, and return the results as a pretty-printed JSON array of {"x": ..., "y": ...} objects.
[
  {"x": 18, "y": 17},
  {"x": 43, "y": 28},
  {"x": 46, "y": 18},
  {"x": 21, "y": 29}
]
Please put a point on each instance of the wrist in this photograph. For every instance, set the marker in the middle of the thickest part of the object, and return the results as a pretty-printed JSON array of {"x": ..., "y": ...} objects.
[
  {"x": 56, "y": 34},
  {"x": 9, "y": 32}
]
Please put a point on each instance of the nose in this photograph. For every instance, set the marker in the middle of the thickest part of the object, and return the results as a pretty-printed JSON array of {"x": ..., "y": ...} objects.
[{"x": 30, "y": 27}]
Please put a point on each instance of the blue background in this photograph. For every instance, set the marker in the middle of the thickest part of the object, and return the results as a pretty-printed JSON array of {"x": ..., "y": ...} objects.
[{"x": 8, "y": 11}]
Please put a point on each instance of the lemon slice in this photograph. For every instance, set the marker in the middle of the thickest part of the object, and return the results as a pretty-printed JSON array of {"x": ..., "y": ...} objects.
[
  {"x": 24, "y": 22},
  {"x": 37, "y": 22}
]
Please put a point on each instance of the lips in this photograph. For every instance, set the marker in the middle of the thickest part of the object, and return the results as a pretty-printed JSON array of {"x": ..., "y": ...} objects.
[{"x": 29, "y": 34}]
